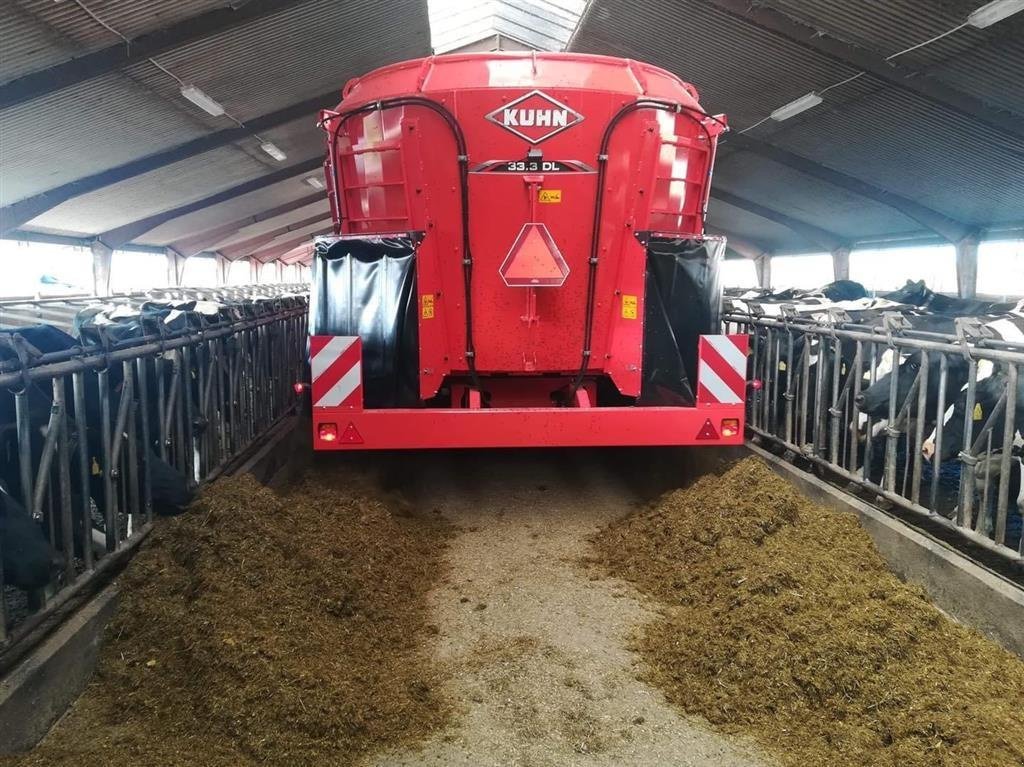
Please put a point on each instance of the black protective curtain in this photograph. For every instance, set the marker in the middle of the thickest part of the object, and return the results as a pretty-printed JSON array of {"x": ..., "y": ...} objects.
[
  {"x": 682, "y": 302},
  {"x": 366, "y": 286}
]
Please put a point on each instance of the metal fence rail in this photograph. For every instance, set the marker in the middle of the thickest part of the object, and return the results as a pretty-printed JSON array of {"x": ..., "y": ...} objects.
[
  {"x": 60, "y": 311},
  {"x": 929, "y": 422},
  {"x": 103, "y": 437}
]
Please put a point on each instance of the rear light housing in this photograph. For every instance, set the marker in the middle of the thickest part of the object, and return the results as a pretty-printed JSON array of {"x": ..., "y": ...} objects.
[
  {"x": 327, "y": 432},
  {"x": 730, "y": 427}
]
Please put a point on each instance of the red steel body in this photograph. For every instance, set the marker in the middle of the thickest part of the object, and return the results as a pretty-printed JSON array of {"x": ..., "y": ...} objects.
[{"x": 533, "y": 127}]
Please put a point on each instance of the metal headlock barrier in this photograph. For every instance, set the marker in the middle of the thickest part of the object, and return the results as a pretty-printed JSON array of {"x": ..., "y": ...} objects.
[
  {"x": 927, "y": 422},
  {"x": 100, "y": 431}
]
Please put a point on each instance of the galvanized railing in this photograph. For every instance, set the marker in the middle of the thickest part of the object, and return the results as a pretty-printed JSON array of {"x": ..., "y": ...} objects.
[
  {"x": 929, "y": 422},
  {"x": 103, "y": 435},
  {"x": 60, "y": 311}
]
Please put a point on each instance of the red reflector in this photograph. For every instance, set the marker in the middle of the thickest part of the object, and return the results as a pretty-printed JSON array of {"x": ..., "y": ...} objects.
[
  {"x": 707, "y": 431},
  {"x": 328, "y": 432},
  {"x": 351, "y": 435},
  {"x": 730, "y": 427},
  {"x": 534, "y": 260},
  {"x": 298, "y": 387},
  {"x": 756, "y": 384}
]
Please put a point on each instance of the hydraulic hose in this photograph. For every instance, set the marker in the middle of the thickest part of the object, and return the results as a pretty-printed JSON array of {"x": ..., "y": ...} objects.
[
  {"x": 698, "y": 117},
  {"x": 463, "y": 159}
]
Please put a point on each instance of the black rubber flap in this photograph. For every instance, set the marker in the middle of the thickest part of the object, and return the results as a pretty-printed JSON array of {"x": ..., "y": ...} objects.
[
  {"x": 683, "y": 297},
  {"x": 366, "y": 287}
]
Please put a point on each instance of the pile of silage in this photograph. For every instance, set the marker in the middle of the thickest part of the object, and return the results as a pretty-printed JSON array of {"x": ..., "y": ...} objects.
[
  {"x": 782, "y": 621},
  {"x": 259, "y": 629}
]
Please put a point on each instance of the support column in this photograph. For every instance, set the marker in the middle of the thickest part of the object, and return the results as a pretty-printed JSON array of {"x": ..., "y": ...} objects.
[
  {"x": 841, "y": 263},
  {"x": 223, "y": 267},
  {"x": 101, "y": 257},
  {"x": 278, "y": 272},
  {"x": 175, "y": 267},
  {"x": 254, "y": 271},
  {"x": 763, "y": 265},
  {"x": 967, "y": 266}
]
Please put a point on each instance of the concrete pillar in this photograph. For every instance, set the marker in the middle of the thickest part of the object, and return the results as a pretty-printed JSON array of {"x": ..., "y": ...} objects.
[
  {"x": 223, "y": 267},
  {"x": 101, "y": 257},
  {"x": 254, "y": 270},
  {"x": 763, "y": 265},
  {"x": 175, "y": 267},
  {"x": 278, "y": 271},
  {"x": 967, "y": 266},
  {"x": 841, "y": 263}
]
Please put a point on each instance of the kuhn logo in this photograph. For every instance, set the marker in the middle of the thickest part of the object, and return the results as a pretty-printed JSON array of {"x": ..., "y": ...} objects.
[{"x": 535, "y": 117}]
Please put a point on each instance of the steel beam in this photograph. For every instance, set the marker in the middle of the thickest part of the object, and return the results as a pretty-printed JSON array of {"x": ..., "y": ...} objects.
[
  {"x": 827, "y": 240},
  {"x": 197, "y": 243},
  {"x": 252, "y": 244},
  {"x": 115, "y": 238},
  {"x": 18, "y": 213},
  {"x": 807, "y": 33},
  {"x": 276, "y": 251},
  {"x": 120, "y": 55},
  {"x": 941, "y": 224}
]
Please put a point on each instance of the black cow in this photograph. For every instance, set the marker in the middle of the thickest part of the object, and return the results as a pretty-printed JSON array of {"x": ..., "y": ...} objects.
[
  {"x": 28, "y": 560},
  {"x": 920, "y": 295}
]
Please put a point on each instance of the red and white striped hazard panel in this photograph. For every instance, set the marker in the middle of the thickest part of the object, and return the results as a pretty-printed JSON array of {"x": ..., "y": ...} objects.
[
  {"x": 722, "y": 370},
  {"x": 336, "y": 367}
]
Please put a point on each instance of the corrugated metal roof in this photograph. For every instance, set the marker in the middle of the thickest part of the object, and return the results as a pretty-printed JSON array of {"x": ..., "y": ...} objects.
[
  {"x": 84, "y": 129},
  {"x": 129, "y": 17},
  {"x": 226, "y": 212},
  {"x": 151, "y": 193},
  {"x": 869, "y": 129},
  {"x": 545, "y": 25},
  {"x": 29, "y": 44}
]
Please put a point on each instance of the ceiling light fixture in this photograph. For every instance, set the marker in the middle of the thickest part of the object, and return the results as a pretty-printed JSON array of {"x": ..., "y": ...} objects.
[
  {"x": 201, "y": 100},
  {"x": 994, "y": 12},
  {"x": 793, "y": 108},
  {"x": 314, "y": 182},
  {"x": 274, "y": 151}
]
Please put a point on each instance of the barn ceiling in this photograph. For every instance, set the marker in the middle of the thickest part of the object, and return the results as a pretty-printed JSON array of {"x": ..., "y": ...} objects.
[{"x": 96, "y": 139}]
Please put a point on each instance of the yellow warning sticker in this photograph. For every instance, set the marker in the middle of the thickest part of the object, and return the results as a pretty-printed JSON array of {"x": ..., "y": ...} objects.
[
  {"x": 978, "y": 413},
  {"x": 628, "y": 307},
  {"x": 550, "y": 195},
  {"x": 428, "y": 306},
  {"x": 782, "y": 365}
]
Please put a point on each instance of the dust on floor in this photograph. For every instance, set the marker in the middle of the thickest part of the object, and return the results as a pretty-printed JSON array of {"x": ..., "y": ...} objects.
[
  {"x": 780, "y": 620},
  {"x": 259, "y": 629},
  {"x": 536, "y": 646}
]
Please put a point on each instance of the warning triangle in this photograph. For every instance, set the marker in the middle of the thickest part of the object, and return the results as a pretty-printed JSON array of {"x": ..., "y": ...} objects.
[
  {"x": 534, "y": 260},
  {"x": 352, "y": 436},
  {"x": 707, "y": 431}
]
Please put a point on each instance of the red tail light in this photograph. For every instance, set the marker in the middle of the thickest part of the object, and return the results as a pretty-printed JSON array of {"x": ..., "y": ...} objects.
[
  {"x": 299, "y": 387},
  {"x": 328, "y": 432},
  {"x": 730, "y": 427}
]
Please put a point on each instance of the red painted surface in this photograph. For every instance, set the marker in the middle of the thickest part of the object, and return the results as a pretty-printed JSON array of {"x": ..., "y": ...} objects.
[
  {"x": 535, "y": 427},
  {"x": 397, "y": 170}
]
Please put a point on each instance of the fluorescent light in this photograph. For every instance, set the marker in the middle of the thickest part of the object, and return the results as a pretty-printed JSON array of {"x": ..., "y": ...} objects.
[
  {"x": 994, "y": 12},
  {"x": 201, "y": 100},
  {"x": 273, "y": 150},
  {"x": 314, "y": 182},
  {"x": 793, "y": 108}
]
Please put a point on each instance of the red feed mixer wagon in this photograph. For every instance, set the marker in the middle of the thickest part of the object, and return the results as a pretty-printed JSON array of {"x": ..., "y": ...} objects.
[{"x": 520, "y": 260}]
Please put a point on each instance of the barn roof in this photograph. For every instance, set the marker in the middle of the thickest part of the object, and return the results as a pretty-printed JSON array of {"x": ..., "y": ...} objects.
[{"x": 96, "y": 139}]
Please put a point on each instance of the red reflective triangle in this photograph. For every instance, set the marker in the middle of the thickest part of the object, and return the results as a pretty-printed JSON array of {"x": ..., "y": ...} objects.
[
  {"x": 707, "y": 431},
  {"x": 534, "y": 259},
  {"x": 352, "y": 436}
]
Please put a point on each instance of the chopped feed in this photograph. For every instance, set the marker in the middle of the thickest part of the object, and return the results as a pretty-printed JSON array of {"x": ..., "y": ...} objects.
[
  {"x": 781, "y": 620},
  {"x": 259, "y": 629}
]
